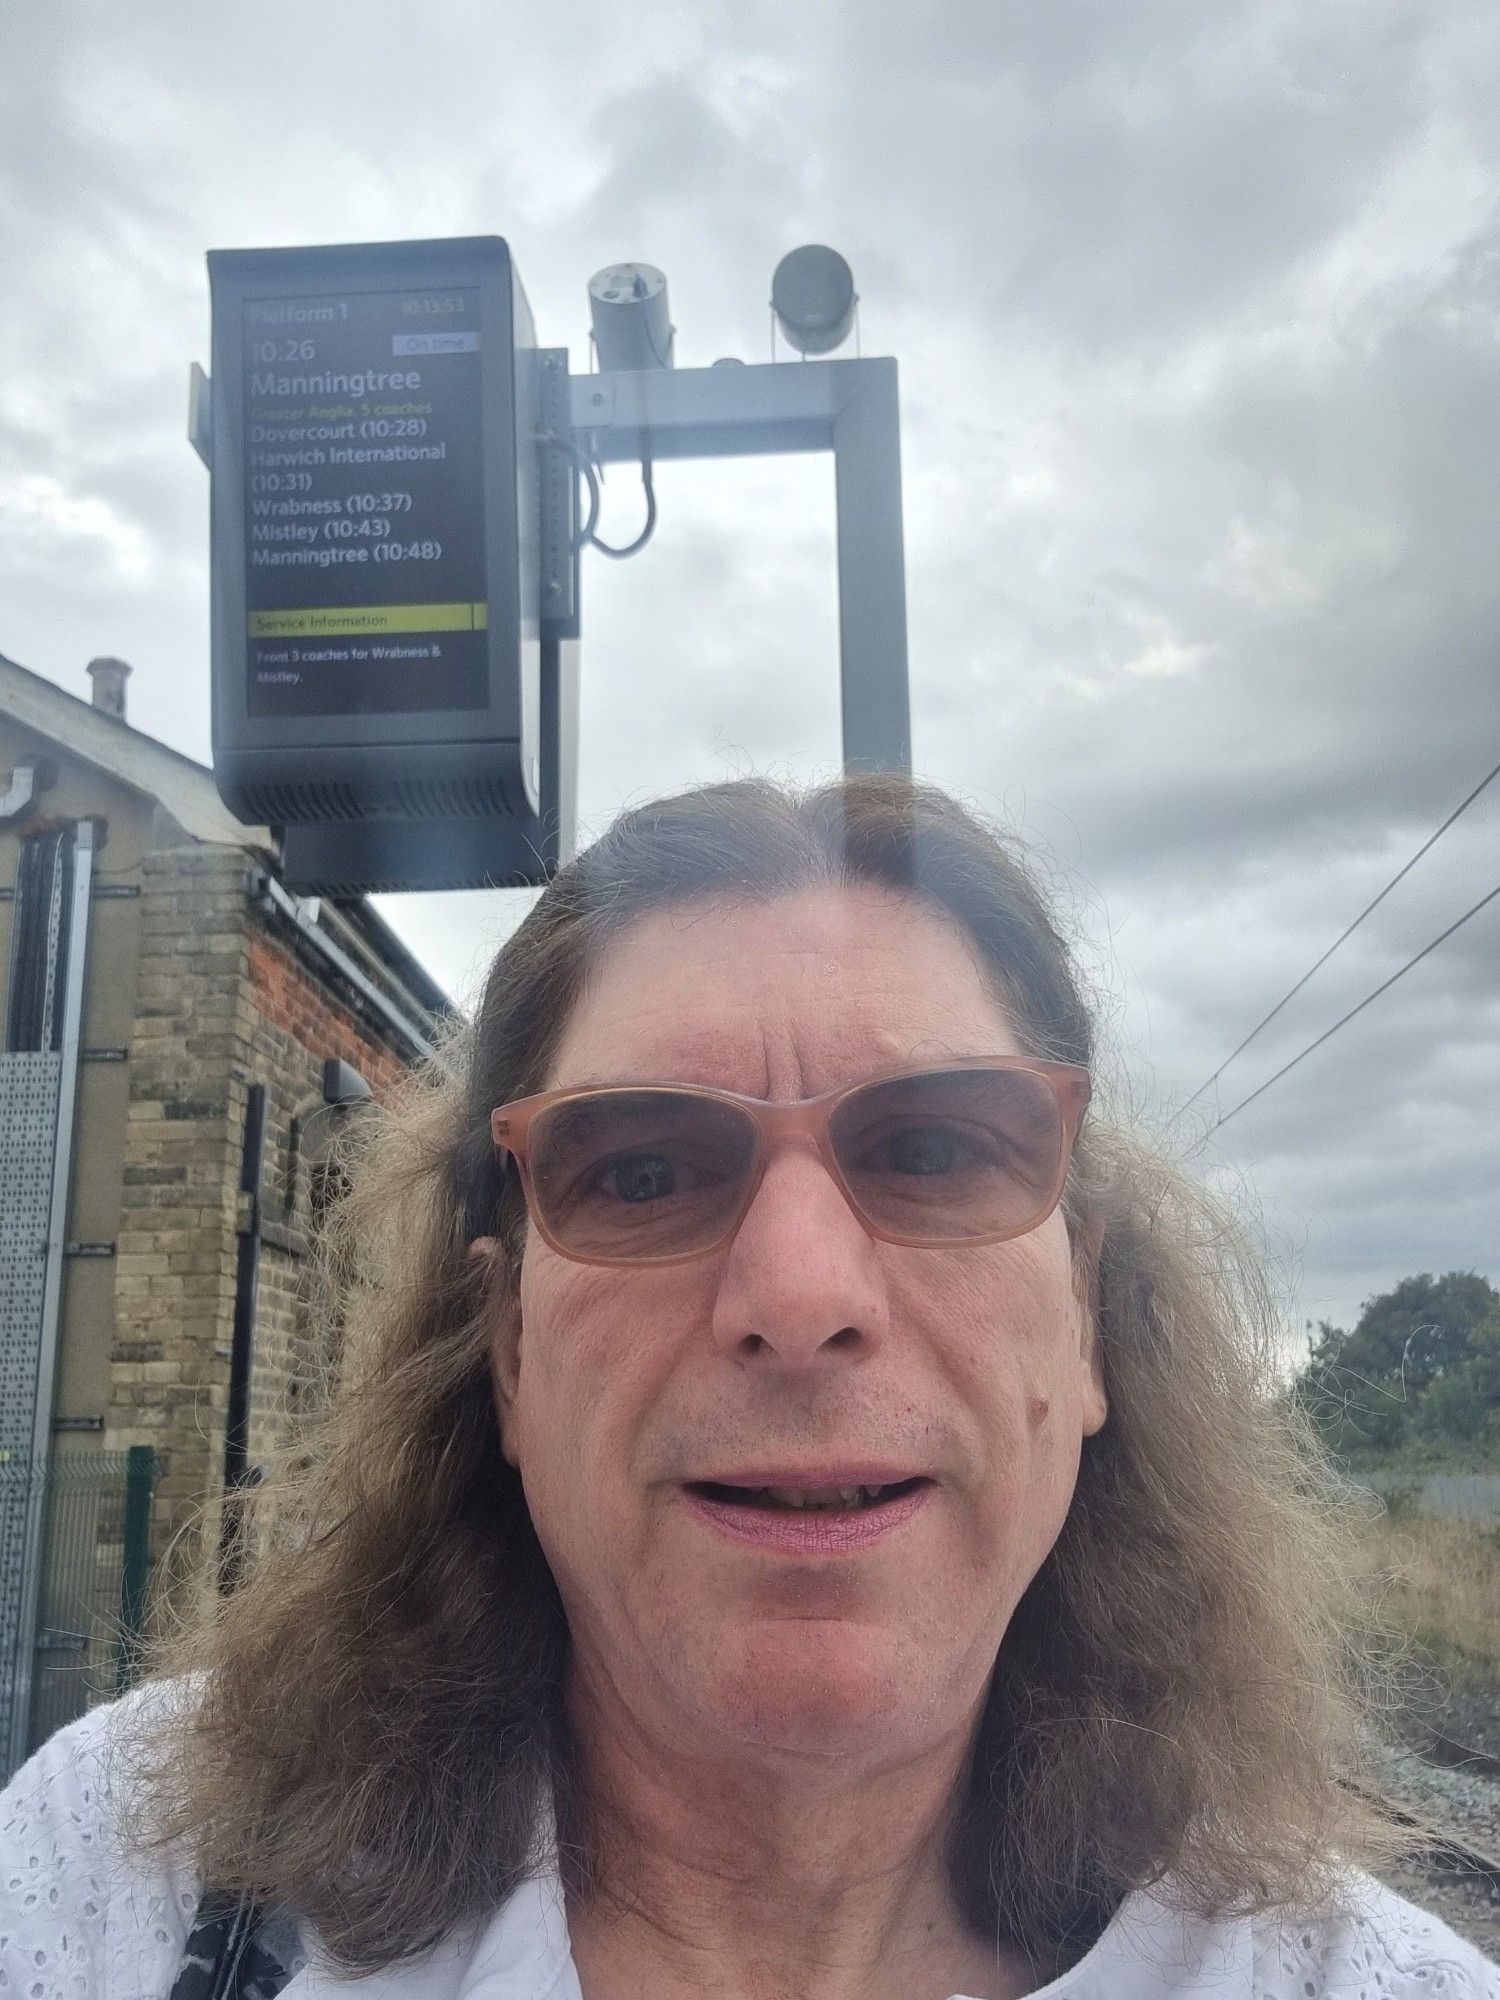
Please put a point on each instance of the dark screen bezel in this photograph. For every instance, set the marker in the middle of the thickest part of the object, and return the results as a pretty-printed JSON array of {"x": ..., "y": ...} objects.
[{"x": 238, "y": 279}]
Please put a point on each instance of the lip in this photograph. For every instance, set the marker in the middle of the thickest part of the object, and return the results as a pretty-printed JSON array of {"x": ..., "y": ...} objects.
[
  {"x": 814, "y": 1532},
  {"x": 807, "y": 1479}
]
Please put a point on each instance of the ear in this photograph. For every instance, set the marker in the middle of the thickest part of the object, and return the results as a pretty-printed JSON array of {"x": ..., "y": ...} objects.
[
  {"x": 505, "y": 1343},
  {"x": 1088, "y": 1248},
  {"x": 1095, "y": 1402}
]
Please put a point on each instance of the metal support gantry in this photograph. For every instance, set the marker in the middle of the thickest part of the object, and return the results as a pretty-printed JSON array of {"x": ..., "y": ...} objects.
[{"x": 850, "y": 408}]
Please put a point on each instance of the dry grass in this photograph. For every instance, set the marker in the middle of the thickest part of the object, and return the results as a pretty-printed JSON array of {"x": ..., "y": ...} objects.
[{"x": 1437, "y": 1580}]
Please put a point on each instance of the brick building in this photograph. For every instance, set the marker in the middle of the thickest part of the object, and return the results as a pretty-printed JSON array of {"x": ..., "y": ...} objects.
[{"x": 170, "y": 1012}]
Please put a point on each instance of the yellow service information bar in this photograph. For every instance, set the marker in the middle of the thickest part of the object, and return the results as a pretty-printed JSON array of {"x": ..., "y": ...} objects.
[{"x": 344, "y": 619}]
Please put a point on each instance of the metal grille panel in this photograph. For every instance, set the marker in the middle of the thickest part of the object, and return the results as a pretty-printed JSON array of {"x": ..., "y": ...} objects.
[
  {"x": 40, "y": 1076},
  {"x": 29, "y": 1085},
  {"x": 88, "y": 1616}
]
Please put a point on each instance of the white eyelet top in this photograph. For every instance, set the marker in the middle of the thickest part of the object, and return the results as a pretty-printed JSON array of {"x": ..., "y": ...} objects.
[{"x": 80, "y": 1919}]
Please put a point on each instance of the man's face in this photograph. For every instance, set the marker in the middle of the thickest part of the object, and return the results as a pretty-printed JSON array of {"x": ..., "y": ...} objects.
[{"x": 804, "y": 1345}]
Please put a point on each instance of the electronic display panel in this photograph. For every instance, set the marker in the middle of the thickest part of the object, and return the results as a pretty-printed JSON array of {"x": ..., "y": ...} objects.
[
  {"x": 364, "y": 502},
  {"x": 383, "y": 700}
]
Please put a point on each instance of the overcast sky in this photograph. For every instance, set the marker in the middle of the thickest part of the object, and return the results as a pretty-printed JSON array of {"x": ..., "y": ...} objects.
[{"x": 1198, "y": 314}]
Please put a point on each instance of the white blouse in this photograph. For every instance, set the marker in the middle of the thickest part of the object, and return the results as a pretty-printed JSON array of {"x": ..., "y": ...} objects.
[{"x": 81, "y": 1920}]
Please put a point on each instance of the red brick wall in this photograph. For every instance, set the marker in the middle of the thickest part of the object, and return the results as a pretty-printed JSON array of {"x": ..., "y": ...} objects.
[{"x": 285, "y": 995}]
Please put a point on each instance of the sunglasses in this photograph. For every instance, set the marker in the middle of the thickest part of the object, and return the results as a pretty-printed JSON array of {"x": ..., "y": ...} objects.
[{"x": 661, "y": 1173}]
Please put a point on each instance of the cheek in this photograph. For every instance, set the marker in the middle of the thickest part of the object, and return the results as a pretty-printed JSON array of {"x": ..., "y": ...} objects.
[
  {"x": 1017, "y": 1320},
  {"x": 593, "y": 1354},
  {"x": 558, "y": 1367},
  {"x": 1010, "y": 1326},
  {"x": 557, "y": 1425}
]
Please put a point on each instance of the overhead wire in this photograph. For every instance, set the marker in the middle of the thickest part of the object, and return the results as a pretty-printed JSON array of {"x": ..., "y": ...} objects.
[
  {"x": 1384, "y": 987},
  {"x": 1348, "y": 932}
]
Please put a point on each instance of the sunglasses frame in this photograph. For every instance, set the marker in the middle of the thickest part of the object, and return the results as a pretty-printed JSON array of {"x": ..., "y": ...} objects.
[{"x": 801, "y": 1117}]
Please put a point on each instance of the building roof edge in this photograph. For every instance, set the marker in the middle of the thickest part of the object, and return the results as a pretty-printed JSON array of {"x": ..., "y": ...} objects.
[{"x": 186, "y": 789}]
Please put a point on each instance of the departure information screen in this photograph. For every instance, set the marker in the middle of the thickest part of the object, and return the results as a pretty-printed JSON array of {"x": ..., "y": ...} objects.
[{"x": 364, "y": 504}]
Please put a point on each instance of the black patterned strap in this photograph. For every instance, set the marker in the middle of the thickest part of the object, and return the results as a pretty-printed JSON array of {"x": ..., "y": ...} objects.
[{"x": 226, "y": 1956}]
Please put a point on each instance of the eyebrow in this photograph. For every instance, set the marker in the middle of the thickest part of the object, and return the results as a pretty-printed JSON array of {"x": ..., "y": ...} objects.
[
  {"x": 621, "y": 1082},
  {"x": 928, "y": 1059}
]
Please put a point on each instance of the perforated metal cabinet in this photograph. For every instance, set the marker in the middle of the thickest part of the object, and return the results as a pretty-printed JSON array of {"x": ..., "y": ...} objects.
[
  {"x": 28, "y": 1137},
  {"x": 47, "y": 971}
]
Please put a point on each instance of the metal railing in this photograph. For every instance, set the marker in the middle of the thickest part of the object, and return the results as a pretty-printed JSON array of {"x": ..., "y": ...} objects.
[{"x": 93, "y": 1513}]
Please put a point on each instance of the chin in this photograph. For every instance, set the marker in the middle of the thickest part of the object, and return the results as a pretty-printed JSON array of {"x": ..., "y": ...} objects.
[{"x": 817, "y": 1688}]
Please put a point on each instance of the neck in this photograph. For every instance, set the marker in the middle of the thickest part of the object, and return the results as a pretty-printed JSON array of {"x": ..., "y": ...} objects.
[{"x": 770, "y": 1875}]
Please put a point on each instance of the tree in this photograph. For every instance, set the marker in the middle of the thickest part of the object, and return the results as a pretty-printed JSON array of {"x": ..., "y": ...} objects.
[
  {"x": 1419, "y": 1340},
  {"x": 1420, "y": 1328},
  {"x": 1465, "y": 1403}
]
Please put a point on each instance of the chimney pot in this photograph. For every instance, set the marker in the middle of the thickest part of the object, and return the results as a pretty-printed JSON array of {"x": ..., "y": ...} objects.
[{"x": 109, "y": 678}]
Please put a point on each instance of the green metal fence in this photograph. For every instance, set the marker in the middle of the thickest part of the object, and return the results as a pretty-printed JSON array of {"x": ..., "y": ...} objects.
[{"x": 96, "y": 1531}]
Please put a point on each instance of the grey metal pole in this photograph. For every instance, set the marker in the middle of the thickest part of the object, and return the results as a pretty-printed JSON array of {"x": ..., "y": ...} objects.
[
  {"x": 62, "y": 1171},
  {"x": 873, "y": 687},
  {"x": 140, "y": 1483},
  {"x": 560, "y": 746},
  {"x": 242, "y": 1340}
]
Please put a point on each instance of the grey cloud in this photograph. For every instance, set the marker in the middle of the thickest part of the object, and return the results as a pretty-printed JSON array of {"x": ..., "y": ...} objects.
[
  {"x": 1309, "y": 534},
  {"x": 1105, "y": 175}
]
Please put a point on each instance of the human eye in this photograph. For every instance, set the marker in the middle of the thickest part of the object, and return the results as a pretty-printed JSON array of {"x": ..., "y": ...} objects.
[
  {"x": 927, "y": 1148},
  {"x": 638, "y": 1176},
  {"x": 653, "y": 1170},
  {"x": 641, "y": 1155}
]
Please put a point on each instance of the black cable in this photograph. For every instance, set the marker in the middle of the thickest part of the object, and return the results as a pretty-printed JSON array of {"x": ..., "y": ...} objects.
[
  {"x": 1292, "y": 994},
  {"x": 591, "y": 478},
  {"x": 1384, "y": 987},
  {"x": 635, "y": 547},
  {"x": 580, "y": 463},
  {"x": 586, "y": 536}
]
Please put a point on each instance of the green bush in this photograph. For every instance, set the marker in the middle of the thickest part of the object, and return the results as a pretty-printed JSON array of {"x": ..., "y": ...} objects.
[
  {"x": 1421, "y": 1366},
  {"x": 1450, "y": 1409}
]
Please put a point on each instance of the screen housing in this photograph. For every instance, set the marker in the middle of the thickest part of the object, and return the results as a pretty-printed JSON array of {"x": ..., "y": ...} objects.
[{"x": 404, "y": 763}]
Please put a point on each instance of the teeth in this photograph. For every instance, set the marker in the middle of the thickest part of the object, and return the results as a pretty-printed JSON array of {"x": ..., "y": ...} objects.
[
  {"x": 801, "y": 1499},
  {"x": 827, "y": 1498}
]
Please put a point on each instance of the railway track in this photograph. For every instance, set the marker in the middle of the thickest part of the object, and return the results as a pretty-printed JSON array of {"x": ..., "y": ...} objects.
[
  {"x": 1445, "y": 1852},
  {"x": 1454, "y": 1756},
  {"x": 1452, "y": 1870}
]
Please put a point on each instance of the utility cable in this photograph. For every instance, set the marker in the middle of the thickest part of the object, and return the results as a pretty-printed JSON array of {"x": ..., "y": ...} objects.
[
  {"x": 582, "y": 466},
  {"x": 1295, "y": 990},
  {"x": 586, "y": 535},
  {"x": 635, "y": 547},
  {"x": 591, "y": 480},
  {"x": 1384, "y": 987}
]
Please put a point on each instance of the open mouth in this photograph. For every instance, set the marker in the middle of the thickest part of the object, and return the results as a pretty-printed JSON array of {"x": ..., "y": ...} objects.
[{"x": 806, "y": 1499}]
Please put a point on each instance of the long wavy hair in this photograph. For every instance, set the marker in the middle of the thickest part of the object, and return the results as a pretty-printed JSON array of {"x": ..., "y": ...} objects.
[{"x": 375, "y": 1719}]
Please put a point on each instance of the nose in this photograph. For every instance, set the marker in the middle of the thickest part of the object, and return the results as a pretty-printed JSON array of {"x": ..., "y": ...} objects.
[{"x": 802, "y": 1279}]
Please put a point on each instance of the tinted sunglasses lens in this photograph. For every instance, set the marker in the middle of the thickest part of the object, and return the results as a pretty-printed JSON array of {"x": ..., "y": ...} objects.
[
  {"x": 951, "y": 1155},
  {"x": 640, "y": 1173}
]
